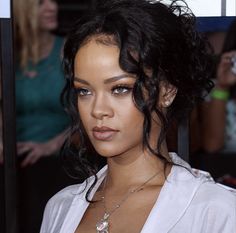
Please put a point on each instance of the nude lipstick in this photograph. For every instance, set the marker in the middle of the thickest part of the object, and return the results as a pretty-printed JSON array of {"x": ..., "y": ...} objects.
[{"x": 104, "y": 133}]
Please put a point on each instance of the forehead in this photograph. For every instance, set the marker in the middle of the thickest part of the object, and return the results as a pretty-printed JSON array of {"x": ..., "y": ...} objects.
[
  {"x": 97, "y": 60},
  {"x": 93, "y": 44},
  {"x": 93, "y": 50}
]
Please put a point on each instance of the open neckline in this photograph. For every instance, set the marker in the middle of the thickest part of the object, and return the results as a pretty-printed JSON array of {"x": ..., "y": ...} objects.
[
  {"x": 101, "y": 176},
  {"x": 173, "y": 189}
]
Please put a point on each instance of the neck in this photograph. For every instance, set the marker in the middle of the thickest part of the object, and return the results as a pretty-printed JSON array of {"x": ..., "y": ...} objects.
[{"x": 134, "y": 168}]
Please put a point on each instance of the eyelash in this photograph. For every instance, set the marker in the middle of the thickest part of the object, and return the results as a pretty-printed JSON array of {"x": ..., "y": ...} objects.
[
  {"x": 122, "y": 87},
  {"x": 80, "y": 92},
  {"x": 116, "y": 90}
]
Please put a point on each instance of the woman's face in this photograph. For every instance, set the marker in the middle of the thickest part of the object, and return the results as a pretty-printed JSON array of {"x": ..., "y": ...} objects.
[
  {"x": 47, "y": 14},
  {"x": 113, "y": 123}
]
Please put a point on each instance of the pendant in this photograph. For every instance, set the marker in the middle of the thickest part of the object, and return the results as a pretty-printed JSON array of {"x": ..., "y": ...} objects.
[{"x": 103, "y": 225}]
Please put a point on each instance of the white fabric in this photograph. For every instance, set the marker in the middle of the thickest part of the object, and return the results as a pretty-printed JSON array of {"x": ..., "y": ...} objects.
[{"x": 189, "y": 202}]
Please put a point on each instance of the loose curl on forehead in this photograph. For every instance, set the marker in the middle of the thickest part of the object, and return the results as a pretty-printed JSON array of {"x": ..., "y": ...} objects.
[{"x": 151, "y": 36}]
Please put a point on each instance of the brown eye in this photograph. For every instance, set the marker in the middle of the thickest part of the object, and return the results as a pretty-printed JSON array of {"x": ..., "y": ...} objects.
[
  {"x": 83, "y": 91},
  {"x": 121, "y": 90}
]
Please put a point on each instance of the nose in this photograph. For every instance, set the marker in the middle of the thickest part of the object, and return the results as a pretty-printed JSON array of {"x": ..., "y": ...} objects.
[{"x": 102, "y": 108}]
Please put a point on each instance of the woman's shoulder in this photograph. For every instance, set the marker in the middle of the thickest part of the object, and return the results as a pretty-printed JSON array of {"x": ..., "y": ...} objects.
[
  {"x": 201, "y": 186},
  {"x": 77, "y": 191},
  {"x": 57, "y": 208},
  {"x": 73, "y": 196},
  {"x": 216, "y": 204},
  {"x": 217, "y": 195},
  {"x": 214, "y": 201}
]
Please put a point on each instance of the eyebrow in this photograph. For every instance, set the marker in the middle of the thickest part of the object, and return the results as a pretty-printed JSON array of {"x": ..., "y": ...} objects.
[{"x": 109, "y": 80}]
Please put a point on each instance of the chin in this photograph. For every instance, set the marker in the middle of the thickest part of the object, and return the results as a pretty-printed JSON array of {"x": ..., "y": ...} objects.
[
  {"x": 50, "y": 26},
  {"x": 107, "y": 151}
]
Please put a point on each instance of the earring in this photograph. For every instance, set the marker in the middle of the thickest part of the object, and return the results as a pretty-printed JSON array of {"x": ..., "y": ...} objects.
[{"x": 167, "y": 103}]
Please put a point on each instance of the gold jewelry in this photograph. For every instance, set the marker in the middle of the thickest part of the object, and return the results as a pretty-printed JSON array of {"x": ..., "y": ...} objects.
[{"x": 102, "y": 226}]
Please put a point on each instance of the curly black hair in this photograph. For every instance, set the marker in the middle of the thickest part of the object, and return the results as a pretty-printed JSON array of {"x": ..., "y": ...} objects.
[{"x": 151, "y": 36}]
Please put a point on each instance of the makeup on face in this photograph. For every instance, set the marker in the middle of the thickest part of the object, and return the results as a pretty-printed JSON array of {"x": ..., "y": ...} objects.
[
  {"x": 104, "y": 133},
  {"x": 105, "y": 101}
]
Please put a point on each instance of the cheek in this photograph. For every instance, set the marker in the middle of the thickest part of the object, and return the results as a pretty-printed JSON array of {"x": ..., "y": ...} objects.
[
  {"x": 83, "y": 112},
  {"x": 132, "y": 120}
]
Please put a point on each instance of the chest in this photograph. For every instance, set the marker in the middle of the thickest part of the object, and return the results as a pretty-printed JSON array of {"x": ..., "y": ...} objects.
[{"x": 130, "y": 217}]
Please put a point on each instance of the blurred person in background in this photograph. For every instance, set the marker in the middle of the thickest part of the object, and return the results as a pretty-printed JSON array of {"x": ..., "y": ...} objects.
[
  {"x": 219, "y": 124},
  {"x": 40, "y": 118},
  {"x": 219, "y": 114}
]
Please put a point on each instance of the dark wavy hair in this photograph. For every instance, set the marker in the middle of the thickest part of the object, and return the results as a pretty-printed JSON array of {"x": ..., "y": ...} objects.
[{"x": 150, "y": 36}]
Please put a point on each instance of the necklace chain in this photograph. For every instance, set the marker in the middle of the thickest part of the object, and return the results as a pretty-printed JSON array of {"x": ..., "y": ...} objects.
[{"x": 103, "y": 225}]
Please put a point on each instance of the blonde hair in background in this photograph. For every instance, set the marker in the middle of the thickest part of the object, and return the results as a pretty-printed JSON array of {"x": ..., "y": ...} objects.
[{"x": 26, "y": 31}]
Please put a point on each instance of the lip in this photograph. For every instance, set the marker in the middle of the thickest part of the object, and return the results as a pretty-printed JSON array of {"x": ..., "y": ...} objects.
[
  {"x": 51, "y": 18},
  {"x": 104, "y": 133}
]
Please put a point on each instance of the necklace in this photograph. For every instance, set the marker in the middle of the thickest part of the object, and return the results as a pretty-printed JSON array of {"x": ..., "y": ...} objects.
[{"x": 102, "y": 226}]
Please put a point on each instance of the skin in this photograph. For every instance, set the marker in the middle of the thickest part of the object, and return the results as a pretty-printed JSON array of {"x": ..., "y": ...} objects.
[
  {"x": 105, "y": 99},
  {"x": 47, "y": 19},
  {"x": 47, "y": 13}
]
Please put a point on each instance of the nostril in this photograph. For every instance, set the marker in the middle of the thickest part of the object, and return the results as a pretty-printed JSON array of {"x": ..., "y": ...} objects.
[{"x": 101, "y": 112}]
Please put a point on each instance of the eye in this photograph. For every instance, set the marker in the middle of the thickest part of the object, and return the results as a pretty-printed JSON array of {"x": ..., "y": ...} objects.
[
  {"x": 121, "y": 89},
  {"x": 83, "y": 92}
]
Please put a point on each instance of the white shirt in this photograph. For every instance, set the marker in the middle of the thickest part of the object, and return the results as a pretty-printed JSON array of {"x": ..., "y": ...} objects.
[{"x": 189, "y": 202}]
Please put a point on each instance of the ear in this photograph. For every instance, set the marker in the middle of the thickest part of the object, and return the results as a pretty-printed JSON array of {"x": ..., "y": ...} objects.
[{"x": 167, "y": 94}]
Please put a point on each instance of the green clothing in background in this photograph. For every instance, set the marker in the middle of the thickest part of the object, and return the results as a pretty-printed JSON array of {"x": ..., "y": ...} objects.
[{"x": 39, "y": 114}]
